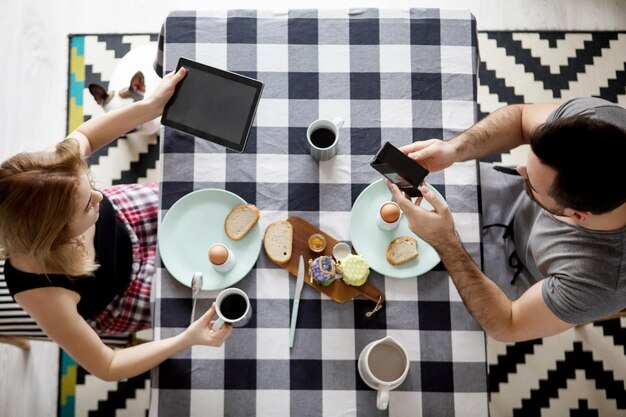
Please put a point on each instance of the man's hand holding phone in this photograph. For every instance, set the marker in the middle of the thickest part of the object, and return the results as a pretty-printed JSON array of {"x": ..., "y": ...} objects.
[
  {"x": 435, "y": 226},
  {"x": 432, "y": 154},
  {"x": 399, "y": 169}
]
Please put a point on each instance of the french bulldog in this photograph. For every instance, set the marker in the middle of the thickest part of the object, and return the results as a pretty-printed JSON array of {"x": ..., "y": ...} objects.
[{"x": 133, "y": 79}]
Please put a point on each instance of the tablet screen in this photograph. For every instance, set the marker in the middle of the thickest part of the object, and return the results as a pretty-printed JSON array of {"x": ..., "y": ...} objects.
[{"x": 213, "y": 104}]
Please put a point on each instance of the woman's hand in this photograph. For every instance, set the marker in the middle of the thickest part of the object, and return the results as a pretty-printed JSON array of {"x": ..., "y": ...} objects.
[
  {"x": 435, "y": 226},
  {"x": 432, "y": 154},
  {"x": 165, "y": 89},
  {"x": 200, "y": 332}
]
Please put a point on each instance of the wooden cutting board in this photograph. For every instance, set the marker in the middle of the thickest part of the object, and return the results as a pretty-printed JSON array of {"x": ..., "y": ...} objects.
[{"x": 338, "y": 290}]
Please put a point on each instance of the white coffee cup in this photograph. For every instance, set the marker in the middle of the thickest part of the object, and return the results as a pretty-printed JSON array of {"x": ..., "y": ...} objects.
[
  {"x": 383, "y": 366},
  {"x": 323, "y": 136},
  {"x": 236, "y": 311}
]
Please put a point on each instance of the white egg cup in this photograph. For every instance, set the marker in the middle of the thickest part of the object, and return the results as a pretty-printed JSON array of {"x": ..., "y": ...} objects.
[
  {"x": 383, "y": 224},
  {"x": 228, "y": 264}
]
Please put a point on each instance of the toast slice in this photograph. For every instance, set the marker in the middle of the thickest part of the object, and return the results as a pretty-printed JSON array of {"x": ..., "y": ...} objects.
[
  {"x": 401, "y": 250},
  {"x": 278, "y": 241},
  {"x": 240, "y": 220}
]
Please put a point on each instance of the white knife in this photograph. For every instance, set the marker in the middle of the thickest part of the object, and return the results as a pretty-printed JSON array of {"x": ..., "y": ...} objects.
[{"x": 296, "y": 301}]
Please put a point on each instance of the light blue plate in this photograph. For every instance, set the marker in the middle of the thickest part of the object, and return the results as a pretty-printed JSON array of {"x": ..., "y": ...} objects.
[
  {"x": 192, "y": 225},
  {"x": 371, "y": 242}
]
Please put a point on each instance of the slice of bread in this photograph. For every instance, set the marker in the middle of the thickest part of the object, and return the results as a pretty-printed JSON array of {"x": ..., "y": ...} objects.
[
  {"x": 240, "y": 220},
  {"x": 278, "y": 241},
  {"x": 401, "y": 250}
]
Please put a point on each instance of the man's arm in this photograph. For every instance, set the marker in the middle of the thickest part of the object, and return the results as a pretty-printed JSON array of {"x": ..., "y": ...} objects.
[
  {"x": 501, "y": 131},
  {"x": 508, "y": 321},
  {"x": 526, "y": 318}
]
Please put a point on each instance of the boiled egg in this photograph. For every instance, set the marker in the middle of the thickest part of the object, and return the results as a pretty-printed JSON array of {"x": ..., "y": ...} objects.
[
  {"x": 218, "y": 254},
  {"x": 390, "y": 212}
]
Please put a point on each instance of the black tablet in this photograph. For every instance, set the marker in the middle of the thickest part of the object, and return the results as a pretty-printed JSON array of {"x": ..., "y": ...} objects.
[{"x": 213, "y": 104}]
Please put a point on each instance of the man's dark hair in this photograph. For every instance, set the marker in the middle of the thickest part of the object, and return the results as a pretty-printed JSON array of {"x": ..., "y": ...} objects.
[{"x": 589, "y": 156}]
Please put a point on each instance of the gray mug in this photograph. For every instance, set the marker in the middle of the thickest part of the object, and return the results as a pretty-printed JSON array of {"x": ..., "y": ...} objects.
[{"x": 323, "y": 136}]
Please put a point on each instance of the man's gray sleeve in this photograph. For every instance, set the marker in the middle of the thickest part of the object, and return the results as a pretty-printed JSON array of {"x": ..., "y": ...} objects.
[
  {"x": 576, "y": 301},
  {"x": 592, "y": 107}
]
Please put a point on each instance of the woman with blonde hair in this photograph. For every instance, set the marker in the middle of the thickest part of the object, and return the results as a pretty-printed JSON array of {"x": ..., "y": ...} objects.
[{"x": 80, "y": 261}]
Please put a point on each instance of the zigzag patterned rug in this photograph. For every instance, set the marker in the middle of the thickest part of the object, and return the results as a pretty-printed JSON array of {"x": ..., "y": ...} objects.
[
  {"x": 92, "y": 59},
  {"x": 581, "y": 372},
  {"x": 540, "y": 67}
]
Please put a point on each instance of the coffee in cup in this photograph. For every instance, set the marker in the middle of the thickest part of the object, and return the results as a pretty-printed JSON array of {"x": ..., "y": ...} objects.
[
  {"x": 233, "y": 306},
  {"x": 386, "y": 362},
  {"x": 323, "y": 138},
  {"x": 383, "y": 365}
]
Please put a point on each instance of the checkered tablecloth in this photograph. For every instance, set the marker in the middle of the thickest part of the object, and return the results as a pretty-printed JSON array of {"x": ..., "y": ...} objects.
[{"x": 397, "y": 75}]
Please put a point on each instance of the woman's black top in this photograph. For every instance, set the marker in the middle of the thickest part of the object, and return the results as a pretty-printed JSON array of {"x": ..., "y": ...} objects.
[{"x": 113, "y": 253}]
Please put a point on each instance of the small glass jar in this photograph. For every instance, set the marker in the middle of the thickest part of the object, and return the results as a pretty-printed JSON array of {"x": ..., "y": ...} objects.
[{"x": 317, "y": 242}]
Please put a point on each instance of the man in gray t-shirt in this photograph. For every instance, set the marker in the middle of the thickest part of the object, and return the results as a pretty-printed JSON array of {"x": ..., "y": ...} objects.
[
  {"x": 568, "y": 225},
  {"x": 585, "y": 269}
]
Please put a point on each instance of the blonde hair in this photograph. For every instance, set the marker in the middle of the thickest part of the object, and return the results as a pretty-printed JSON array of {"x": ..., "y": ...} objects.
[{"x": 37, "y": 201}]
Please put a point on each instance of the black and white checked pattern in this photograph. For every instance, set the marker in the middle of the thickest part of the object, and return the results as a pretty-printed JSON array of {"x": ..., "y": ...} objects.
[{"x": 397, "y": 75}]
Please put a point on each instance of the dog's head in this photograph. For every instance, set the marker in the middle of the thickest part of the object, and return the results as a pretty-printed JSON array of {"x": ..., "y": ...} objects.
[
  {"x": 135, "y": 92},
  {"x": 133, "y": 79}
]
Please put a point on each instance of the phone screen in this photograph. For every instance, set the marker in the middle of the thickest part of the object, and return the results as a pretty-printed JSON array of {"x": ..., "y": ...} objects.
[{"x": 398, "y": 180}]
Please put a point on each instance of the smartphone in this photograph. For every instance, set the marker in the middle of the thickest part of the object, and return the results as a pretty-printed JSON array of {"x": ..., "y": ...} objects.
[{"x": 399, "y": 169}]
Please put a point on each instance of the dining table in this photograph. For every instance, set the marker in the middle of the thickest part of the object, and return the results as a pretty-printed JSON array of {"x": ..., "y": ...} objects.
[{"x": 397, "y": 75}]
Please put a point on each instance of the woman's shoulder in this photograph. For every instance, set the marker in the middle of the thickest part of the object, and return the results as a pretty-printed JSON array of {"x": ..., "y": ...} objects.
[
  {"x": 19, "y": 263},
  {"x": 22, "y": 275}
]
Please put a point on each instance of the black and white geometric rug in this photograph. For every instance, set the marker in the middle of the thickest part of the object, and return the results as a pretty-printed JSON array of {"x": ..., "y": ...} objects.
[
  {"x": 581, "y": 372},
  {"x": 131, "y": 159}
]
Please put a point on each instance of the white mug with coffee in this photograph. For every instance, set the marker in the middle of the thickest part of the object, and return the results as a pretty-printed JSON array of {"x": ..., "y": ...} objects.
[
  {"x": 323, "y": 136},
  {"x": 232, "y": 306},
  {"x": 383, "y": 366}
]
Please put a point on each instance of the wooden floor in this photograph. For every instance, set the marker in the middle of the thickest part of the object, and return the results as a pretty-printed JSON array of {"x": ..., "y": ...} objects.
[{"x": 33, "y": 94}]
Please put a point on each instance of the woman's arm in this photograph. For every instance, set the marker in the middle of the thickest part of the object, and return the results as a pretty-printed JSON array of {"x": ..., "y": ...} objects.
[
  {"x": 54, "y": 310},
  {"x": 103, "y": 129}
]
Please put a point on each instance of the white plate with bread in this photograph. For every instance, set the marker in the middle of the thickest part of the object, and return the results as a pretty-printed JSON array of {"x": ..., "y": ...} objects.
[
  {"x": 397, "y": 253},
  {"x": 201, "y": 219}
]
